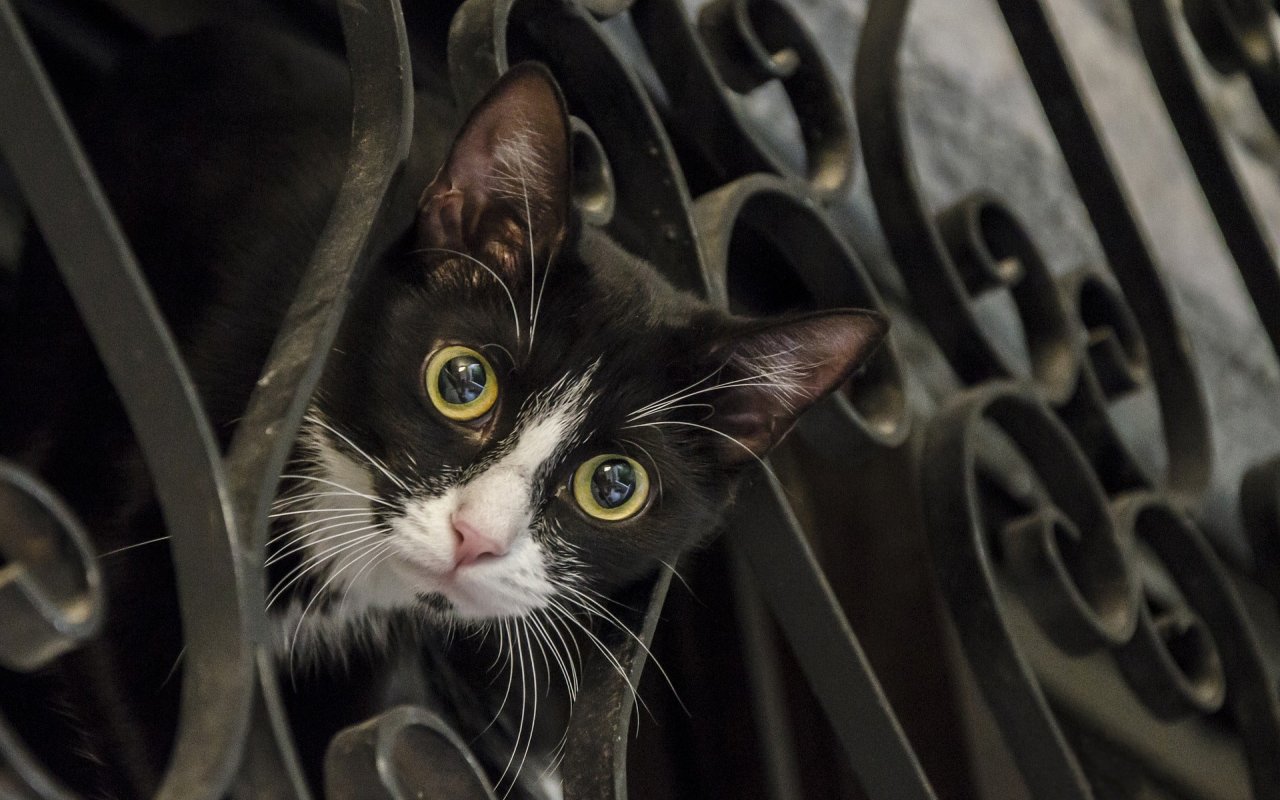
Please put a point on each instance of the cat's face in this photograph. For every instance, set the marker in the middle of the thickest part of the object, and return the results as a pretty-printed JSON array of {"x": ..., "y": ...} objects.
[{"x": 514, "y": 421}]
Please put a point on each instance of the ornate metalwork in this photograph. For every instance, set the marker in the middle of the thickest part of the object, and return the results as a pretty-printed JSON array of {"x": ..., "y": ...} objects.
[
  {"x": 392, "y": 756},
  {"x": 51, "y": 590},
  {"x": 738, "y": 46},
  {"x": 144, "y": 364},
  {"x": 764, "y": 230},
  {"x": 1116, "y": 649},
  {"x": 382, "y": 120},
  {"x": 1234, "y": 37},
  {"x": 51, "y": 599}
]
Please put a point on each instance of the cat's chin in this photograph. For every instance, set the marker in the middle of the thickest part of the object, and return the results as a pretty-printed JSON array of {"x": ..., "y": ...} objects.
[{"x": 360, "y": 612}]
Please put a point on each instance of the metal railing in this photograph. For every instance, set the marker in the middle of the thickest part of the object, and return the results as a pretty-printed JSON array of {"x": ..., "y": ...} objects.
[{"x": 1117, "y": 653}]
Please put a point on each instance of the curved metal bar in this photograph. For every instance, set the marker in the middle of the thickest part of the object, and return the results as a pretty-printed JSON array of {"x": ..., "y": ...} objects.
[
  {"x": 1182, "y": 403},
  {"x": 51, "y": 596},
  {"x": 21, "y": 775},
  {"x": 1236, "y": 36},
  {"x": 1260, "y": 508},
  {"x": 1118, "y": 367},
  {"x": 793, "y": 253},
  {"x": 1118, "y": 358},
  {"x": 595, "y": 192},
  {"x": 753, "y": 41},
  {"x": 51, "y": 601},
  {"x": 991, "y": 250},
  {"x": 967, "y": 570},
  {"x": 928, "y": 261},
  {"x": 595, "y": 763},
  {"x": 764, "y": 529},
  {"x": 162, "y": 403},
  {"x": 381, "y": 129},
  {"x": 1206, "y": 149},
  {"x": 603, "y": 9},
  {"x": 1251, "y": 690},
  {"x": 395, "y": 754},
  {"x": 1173, "y": 662}
]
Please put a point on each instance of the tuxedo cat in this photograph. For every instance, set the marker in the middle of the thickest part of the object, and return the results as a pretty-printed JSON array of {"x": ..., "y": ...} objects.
[
  {"x": 514, "y": 415},
  {"x": 518, "y": 418}
]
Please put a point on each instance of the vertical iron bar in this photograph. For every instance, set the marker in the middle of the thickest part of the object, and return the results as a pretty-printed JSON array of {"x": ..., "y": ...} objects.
[
  {"x": 768, "y": 700},
  {"x": 1122, "y": 239},
  {"x": 595, "y": 762},
  {"x": 1204, "y": 146},
  {"x": 769, "y": 536},
  {"x": 142, "y": 360},
  {"x": 381, "y": 130}
]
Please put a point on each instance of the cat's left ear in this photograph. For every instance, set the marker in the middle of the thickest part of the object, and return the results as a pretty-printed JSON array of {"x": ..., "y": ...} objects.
[
  {"x": 506, "y": 182},
  {"x": 770, "y": 371}
]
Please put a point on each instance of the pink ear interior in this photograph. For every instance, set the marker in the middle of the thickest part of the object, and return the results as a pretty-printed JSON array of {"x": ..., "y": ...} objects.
[{"x": 506, "y": 178}]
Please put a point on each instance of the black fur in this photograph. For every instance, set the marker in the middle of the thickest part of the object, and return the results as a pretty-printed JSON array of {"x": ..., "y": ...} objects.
[{"x": 221, "y": 153}]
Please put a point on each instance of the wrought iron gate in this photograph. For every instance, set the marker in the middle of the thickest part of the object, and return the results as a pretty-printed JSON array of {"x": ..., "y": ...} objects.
[{"x": 1033, "y": 447}]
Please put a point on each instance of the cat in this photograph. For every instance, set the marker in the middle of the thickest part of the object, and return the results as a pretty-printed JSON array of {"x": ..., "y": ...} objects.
[{"x": 519, "y": 417}]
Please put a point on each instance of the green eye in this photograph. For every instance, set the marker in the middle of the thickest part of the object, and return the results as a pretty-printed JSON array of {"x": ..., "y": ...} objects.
[
  {"x": 611, "y": 487},
  {"x": 460, "y": 383}
]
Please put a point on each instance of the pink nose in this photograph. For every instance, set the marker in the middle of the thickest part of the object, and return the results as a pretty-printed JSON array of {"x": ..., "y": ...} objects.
[{"x": 472, "y": 543}]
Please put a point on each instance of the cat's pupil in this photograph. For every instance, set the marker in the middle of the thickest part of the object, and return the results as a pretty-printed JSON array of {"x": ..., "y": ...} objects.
[
  {"x": 462, "y": 380},
  {"x": 613, "y": 483}
]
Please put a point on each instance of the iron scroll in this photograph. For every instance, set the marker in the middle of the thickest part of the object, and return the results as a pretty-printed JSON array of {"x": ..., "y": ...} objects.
[{"x": 1093, "y": 616}]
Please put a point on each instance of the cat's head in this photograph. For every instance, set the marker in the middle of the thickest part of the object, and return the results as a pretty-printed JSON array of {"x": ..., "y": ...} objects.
[{"x": 519, "y": 416}]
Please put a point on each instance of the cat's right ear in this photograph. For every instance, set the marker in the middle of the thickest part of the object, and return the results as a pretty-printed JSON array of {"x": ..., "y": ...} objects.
[{"x": 502, "y": 196}]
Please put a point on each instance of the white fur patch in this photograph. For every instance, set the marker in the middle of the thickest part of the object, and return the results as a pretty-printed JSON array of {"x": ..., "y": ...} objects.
[
  {"x": 500, "y": 500},
  {"x": 337, "y": 540},
  {"x": 371, "y": 567}
]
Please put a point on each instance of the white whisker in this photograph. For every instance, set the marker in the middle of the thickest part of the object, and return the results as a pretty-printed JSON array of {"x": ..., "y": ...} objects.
[
  {"x": 657, "y": 470},
  {"x": 604, "y": 650},
  {"x": 590, "y": 604},
  {"x": 345, "y": 518},
  {"x": 317, "y": 420},
  {"x": 174, "y": 669},
  {"x": 131, "y": 546},
  {"x": 737, "y": 383},
  {"x": 510, "y": 297},
  {"x": 537, "y": 309},
  {"x": 302, "y": 618},
  {"x": 675, "y": 396},
  {"x": 571, "y": 683},
  {"x": 306, "y": 541},
  {"x": 315, "y": 561},
  {"x": 749, "y": 451},
  {"x": 504, "y": 644},
  {"x": 313, "y": 510},
  {"x": 533, "y": 717},
  {"x": 524, "y": 693},
  {"x": 325, "y": 511},
  {"x": 533, "y": 259},
  {"x": 676, "y": 572},
  {"x": 285, "y": 501},
  {"x": 327, "y": 482},
  {"x": 510, "y": 358},
  {"x": 377, "y": 556}
]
